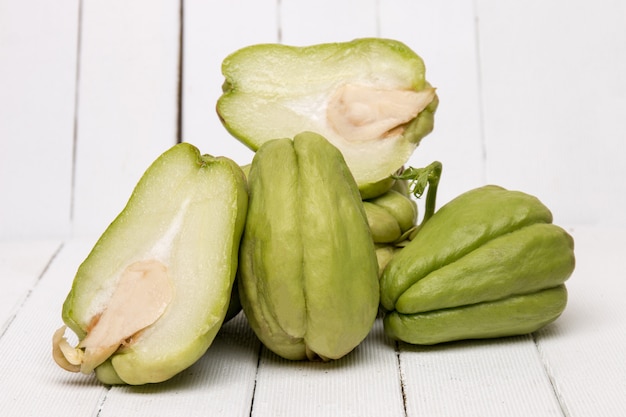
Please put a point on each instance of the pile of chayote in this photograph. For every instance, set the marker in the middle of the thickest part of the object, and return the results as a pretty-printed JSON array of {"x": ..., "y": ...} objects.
[{"x": 318, "y": 236}]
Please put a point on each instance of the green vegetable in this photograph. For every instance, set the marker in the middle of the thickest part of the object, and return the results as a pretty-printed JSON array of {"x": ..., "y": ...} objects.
[
  {"x": 384, "y": 254},
  {"x": 489, "y": 263},
  {"x": 368, "y": 97},
  {"x": 308, "y": 271},
  {"x": 390, "y": 216},
  {"x": 150, "y": 297}
]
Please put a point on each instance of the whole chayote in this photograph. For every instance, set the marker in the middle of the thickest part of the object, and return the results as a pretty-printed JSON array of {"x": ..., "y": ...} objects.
[
  {"x": 392, "y": 218},
  {"x": 489, "y": 263},
  {"x": 308, "y": 274}
]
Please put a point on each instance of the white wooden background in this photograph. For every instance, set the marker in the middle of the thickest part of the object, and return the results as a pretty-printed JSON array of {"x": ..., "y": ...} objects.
[{"x": 533, "y": 96}]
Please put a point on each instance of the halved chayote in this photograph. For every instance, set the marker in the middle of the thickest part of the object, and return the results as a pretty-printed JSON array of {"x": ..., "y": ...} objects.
[
  {"x": 308, "y": 271},
  {"x": 149, "y": 299},
  {"x": 369, "y": 97},
  {"x": 489, "y": 263}
]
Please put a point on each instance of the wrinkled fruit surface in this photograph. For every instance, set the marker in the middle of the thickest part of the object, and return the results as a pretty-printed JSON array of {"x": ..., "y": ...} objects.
[
  {"x": 150, "y": 297},
  {"x": 368, "y": 97},
  {"x": 489, "y": 263},
  {"x": 308, "y": 271}
]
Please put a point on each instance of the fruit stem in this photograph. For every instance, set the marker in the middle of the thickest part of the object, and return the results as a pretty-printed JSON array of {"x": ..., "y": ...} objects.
[{"x": 419, "y": 179}]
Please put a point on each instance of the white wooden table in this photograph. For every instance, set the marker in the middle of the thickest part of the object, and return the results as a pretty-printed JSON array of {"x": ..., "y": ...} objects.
[{"x": 532, "y": 98}]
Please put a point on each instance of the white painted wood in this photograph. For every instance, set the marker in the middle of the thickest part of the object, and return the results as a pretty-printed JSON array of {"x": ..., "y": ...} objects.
[
  {"x": 212, "y": 30},
  {"x": 127, "y": 102},
  {"x": 31, "y": 383},
  {"x": 574, "y": 367},
  {"x": 584, "y": 350},
  {"x": 221, "y": 383},
  {"x": 500, "y": 377},
  {"x": 22, "y": 263},
  {"x": 554, "y": 96},
  {"x": 444, "y": 35},
  {"x": 305, "y": 22},
  {"x": 549, "y": 75},
  {"x": 37, "y": 86},
  {"x": 365, "y": 382}
]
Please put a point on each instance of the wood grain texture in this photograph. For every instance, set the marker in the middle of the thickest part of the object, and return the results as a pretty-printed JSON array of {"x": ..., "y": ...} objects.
[
  {"x": 532, "y": 96},
  {"x": 363, "y": 383},
  {"x": 583, "y": 350},
  {"x": 212, "y": 30},
  {"x": 553, "y": 96},
  {"x": 38, "y": 53},
  {"x": 221, "y": 383},
  {"x": 305, "y": 22},
  {"x": 573, "y": 367},
  {"x": 22, "y": 264},
  {"x": 500, "y": 377},
  {"x": 31, "y": 382},
  {"x": 444, "y": 35},
  {"x": 127, "y": 99}
]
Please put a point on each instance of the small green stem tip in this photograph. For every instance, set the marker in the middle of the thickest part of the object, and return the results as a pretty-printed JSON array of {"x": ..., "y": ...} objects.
[{"x": 419, "y": 179}]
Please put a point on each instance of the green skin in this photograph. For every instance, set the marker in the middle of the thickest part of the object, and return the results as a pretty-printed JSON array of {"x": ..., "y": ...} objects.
[
  {"x": 390, "y": 215},
  {"x": 276, "y": 91},
  {"x": 384, "y": 226},
  {"x": 308, "y": 270},
  {"x": 204, "y": 250},
  {"x": 514, "y": 315},
  {"x": 489, "y": 263}
]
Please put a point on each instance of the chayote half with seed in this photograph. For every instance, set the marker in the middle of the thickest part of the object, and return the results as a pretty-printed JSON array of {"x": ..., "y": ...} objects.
[
  {"x": 369, "y": 97},
  {"x": 308, "y": 271},
  {"x": 149, "y": 299},
  {"x": 489, "y": 263}
]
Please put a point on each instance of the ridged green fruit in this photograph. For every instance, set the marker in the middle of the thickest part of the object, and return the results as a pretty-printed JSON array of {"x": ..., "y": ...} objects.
[
  {"x": 369, "y": 97},
  {"x": 308, "y": 271},
  {"x": 390, "y": 216},
  {"x": 489, "y": 263},
  {"x": 149, "y": 299}
]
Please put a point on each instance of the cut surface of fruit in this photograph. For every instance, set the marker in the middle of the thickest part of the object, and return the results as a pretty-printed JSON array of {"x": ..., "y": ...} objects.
[
  {"x": 368, "y": 97},
  {"x": 364, "y": 113},
  {"x": 150, "y": 297},
  {"x": 140, "y": 298}
]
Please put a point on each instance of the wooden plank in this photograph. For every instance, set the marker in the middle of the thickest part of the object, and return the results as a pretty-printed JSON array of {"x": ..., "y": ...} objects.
[
  {"x": 22, "y": 264},
  {"x": 128, "y": 97},
  {"x": 32, "y": 384},
  {"x": 212, "y": 30},
  {"x": 364, "y": 383},
  {"x": 584, "y": 349},
  {"x": 443, "y": 34},
  {"x": 499, "y": 377},
  {"x": 578, "y": 360},
  {"x": 37, "y": 84},
  {"x": 304, "y": 22},
  {"x": 554, "y": 94},
  {"x": 221, "y": 383}
]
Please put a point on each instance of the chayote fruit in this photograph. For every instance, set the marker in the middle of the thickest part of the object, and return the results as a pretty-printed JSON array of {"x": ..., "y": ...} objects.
[
  {"x": 308, "y": 272},
  {"x": 489, "y": 263},
  {"x": 384, "y": 253},
  {"x": 390, "y": 216},
  {"x": 368, "y": 97},
  {"x": 149, "y": 299}
]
